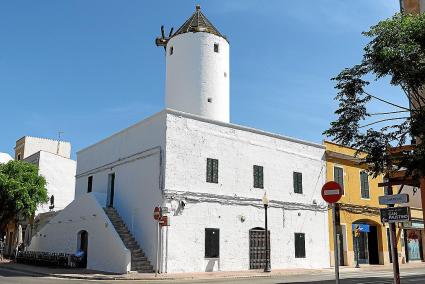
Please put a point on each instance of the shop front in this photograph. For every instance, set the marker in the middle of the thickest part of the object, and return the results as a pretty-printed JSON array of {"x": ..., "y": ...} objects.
[{"x": 413, "y": 233}]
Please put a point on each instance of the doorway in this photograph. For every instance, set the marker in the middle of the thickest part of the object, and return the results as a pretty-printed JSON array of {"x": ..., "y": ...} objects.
[
  {"x": 83, "y": 247},
  {"x": 373, "y": 245},
  {"x": 257, "y": 248},
  {"x": 367, "y": 244},
  {"x": 111, "y": 190}
]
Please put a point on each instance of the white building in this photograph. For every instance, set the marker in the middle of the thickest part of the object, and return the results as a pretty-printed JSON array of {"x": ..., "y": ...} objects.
[
  {"x": 4, "y": 158},
  {"x": 209, "y": 173},
  {"x": 54, "y": 163}
]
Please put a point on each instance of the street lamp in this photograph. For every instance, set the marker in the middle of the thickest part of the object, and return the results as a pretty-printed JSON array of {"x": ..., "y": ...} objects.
[{"x": 266, "y": 204}]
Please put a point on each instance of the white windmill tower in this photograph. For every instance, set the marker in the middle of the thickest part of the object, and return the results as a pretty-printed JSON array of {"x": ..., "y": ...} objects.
[{"x": 197, "y": 68}]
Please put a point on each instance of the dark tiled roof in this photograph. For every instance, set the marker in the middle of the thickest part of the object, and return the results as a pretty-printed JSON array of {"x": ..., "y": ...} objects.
[{"x": 198, "y": 23}]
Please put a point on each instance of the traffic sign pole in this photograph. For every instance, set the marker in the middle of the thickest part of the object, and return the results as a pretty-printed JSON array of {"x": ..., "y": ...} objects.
[
  {"x": 332, "y": 193},
  {"x": 336, "y": 249}
]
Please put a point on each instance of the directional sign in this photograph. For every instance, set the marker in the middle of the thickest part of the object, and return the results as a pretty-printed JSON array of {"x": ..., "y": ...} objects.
[
  {"x": 393, "y": 199},
  {"x": 331, "y": 192},
  {"x": 395, "y": 214}
]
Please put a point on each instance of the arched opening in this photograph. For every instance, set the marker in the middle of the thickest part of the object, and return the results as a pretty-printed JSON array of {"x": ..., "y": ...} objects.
[
  {"x": 368, "y": 245},
  {"x": 257, "y": 248},
  {"x": 82, "y": 247}
]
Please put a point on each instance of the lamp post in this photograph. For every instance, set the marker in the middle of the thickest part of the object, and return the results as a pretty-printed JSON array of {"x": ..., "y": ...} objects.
[
  {"x": 357, "y": 239},
  {"x": 266, "y": 204}
]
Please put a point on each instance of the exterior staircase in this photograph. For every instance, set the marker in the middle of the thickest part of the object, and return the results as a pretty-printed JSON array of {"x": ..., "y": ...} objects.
[{"x": 139, "y": 262}]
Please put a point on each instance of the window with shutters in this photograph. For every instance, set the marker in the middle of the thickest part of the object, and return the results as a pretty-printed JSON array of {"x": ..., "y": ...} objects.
[
  {"x": 212, "y": 170},
  {"x": 298, "y": 182},
  {"x": 258, "y": 177},
  {"x": 299, "y": 245},
  {"x": 212, "y": 243},
  {"x": 339, "y": 177},
  {"x": 90, "y": 184},
  {"x": 364, "y": 184}
]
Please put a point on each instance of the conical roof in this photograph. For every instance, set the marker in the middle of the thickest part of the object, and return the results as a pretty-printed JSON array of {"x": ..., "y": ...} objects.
[{"x": 198, "y": 23}]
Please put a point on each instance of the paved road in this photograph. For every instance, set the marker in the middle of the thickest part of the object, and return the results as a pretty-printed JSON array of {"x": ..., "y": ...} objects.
[{"x": 411, "y": 276}]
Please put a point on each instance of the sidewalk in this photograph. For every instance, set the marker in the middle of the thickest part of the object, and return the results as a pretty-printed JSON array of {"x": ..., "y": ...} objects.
[{"x": 78, "y": 273}]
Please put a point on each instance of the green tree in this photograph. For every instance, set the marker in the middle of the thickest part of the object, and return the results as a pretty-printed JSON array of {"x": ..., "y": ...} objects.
[
  {"x": 396, "y": 50},
  {"x": 21, "y": 191}
]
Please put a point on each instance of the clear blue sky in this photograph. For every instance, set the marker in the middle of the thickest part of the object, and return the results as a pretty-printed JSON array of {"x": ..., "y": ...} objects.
[{"x": 91, "y": 68}]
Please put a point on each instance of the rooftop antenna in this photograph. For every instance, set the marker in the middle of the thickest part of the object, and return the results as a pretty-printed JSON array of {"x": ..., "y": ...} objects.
[
  {"x": 59, "y": 141},
  {"x": 163, "y": 40}
]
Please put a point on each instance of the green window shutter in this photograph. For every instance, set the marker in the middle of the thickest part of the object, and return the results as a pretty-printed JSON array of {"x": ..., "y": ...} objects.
[
  {"x": 215, "y": 171},
  {"x": 209, "y": 170},
  {"x": 364, "y": 184},
  {"x": 339, "y": 177},
  {"x": 261, "y": 177},
  {"x": 258, "y": 177},
  {"x": 212, "y": 170},
  {"x": 255, "y": 177},
  {"x": 298, "y": 182}
]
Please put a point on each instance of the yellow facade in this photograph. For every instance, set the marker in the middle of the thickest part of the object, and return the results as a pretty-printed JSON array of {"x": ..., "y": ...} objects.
[{"x": 355, "y": 209}]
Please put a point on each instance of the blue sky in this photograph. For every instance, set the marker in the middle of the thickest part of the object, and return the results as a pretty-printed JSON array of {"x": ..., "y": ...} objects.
[{"x": 91, "y": 68}]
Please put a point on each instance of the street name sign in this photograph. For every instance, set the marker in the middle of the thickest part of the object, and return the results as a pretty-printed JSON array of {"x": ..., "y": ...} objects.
[
  {"x": 393, "y": 199},
  {"x": 395, "y": 214}
]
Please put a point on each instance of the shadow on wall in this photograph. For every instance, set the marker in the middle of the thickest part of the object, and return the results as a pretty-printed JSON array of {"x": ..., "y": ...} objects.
[{"x": 211, "y": 264}]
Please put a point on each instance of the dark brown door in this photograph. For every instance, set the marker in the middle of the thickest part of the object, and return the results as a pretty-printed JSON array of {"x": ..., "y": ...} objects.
[{"x": 257, "y": 248}]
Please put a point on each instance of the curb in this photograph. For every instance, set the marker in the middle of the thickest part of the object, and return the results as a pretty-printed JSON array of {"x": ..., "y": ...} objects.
[{"x": 120, "y": 278}]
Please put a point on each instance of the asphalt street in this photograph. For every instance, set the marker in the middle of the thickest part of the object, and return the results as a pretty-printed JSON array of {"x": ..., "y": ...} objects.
[{"x": 411, "y": 276}]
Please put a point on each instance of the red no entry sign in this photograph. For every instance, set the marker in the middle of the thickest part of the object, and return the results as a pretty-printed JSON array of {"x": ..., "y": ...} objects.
[
  {"x": 157, "y": 213},
  {"x": 331, "y": 192}
]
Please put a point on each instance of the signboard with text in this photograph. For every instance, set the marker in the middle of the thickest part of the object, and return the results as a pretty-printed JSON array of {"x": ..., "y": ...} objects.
[
  {"x": 393, "y": 199},
  {"x": 395, "y": 214}
]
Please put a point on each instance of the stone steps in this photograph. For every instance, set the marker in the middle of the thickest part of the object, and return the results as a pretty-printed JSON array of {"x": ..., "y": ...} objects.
[{"x": 139, "y": 262}]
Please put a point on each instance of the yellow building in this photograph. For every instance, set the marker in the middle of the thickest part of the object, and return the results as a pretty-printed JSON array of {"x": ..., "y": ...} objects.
[{"x": 359, "y": 205}]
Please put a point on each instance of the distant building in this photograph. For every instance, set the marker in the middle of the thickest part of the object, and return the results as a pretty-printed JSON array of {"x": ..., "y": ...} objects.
[
  {"x": 4, "y": 158},
  {"x": 413, "y": 6},
  {"x": 54, "y": 163}
]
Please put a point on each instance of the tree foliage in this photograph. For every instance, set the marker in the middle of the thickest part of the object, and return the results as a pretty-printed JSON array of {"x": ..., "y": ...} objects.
[
  {"x": 21, "y": 191},
  {"x": 396, "y": 50}
]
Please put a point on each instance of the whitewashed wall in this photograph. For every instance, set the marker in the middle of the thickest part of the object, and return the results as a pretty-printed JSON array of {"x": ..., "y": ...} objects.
[
  {"x": 186, "y": 237},
  {"x": 190, "y": 141},
  {"x": 135, "y": 155},
  {"x": 60, "y": 176},
  {"x": 106, "y": 251},
  {"x": 194, "y": 73}
]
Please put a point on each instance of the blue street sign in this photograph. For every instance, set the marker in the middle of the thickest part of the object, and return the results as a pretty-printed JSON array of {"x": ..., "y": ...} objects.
[{"x": 364, "y": 228}]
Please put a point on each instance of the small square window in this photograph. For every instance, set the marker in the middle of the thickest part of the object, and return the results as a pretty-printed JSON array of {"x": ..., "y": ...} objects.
[
  {"x": 171, "y": 50},
  {"x": 216, "y": 47},
  {"x": 210, "y": 100}
]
